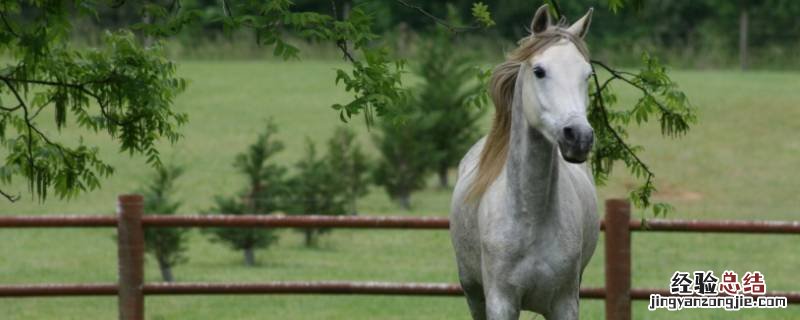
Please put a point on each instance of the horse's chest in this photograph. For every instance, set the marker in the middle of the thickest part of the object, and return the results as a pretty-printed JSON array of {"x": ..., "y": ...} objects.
[
  {"x": 553, "y": 256},
  {"x": 544, "y": 260}
]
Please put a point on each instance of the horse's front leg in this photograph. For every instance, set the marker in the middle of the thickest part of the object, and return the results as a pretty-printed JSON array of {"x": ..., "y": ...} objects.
[
  {"x": 564, "y": 308},
  {"x": 502, "y": 302},
  {"x": 475, "y": 299}
]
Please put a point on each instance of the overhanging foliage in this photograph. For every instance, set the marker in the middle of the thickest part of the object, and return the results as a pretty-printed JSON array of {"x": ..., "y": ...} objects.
[{"x": 127, "y": 90}]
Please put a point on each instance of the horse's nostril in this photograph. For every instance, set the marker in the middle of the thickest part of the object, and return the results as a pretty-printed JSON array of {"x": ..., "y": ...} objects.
[{"x": 569, "y": 134}]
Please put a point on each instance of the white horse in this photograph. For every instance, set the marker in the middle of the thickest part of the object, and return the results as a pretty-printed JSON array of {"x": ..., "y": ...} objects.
[{"x": 524, "y": 214}]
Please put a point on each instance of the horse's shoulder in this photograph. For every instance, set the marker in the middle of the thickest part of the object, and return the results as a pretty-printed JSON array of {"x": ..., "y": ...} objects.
[
  {"x": 495, "y": 200},
  {"x": 470, "y": 160}
]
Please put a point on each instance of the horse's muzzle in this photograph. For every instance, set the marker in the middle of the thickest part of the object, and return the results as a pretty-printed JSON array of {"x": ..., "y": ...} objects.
[{"x": 575, "y": 142}]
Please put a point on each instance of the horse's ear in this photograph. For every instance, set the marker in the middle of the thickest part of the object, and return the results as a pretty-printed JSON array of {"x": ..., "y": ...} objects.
[
  {"x": 581, "y": 27},
  {"x": 541, "y": 20}
]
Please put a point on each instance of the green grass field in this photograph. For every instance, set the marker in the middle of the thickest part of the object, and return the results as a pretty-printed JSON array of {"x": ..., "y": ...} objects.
[{"x": 739, "y": 162}]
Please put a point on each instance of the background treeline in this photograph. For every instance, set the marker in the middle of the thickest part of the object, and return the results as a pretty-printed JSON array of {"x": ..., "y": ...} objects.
[{"x": 687, "y": 34}]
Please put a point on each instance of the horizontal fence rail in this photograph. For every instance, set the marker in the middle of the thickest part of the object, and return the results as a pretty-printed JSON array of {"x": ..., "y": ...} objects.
[
  {"x": 299, "y": 287},
  {"x": 721, "y": 226},
  {"x": 58, "y": 221},
  {"x": 131, "y": 288},
  {"x": 58, "y": 290},
  {"x": 280, "y": 287},
  {"x": 371, "y": 222},
  {"x": 221, "y": 220}
]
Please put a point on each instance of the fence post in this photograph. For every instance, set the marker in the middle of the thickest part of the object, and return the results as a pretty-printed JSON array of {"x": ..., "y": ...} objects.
[
  {"x": 618, "y": 259},
  {"x": 130, "y": 255}
]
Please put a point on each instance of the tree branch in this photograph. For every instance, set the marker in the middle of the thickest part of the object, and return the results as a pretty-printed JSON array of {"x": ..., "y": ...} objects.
[
  {"x": 556, "y": 9},
  {"x": 58, "y": 84},
  {"x": 10, "y": 109},
  {"x": 9, "y": 197},
  {"x": 29, "y": 139},
  {"x": 439, "y": 21},
  {"x": 598, "y": 96},
  {"x": 31, "y": 129},
  {"x": 341, "y": 43},
  {"x": 617, "y": 74},
  {"x": 5, "y": 22},
  {"x": 80, "y": 86},
  {"x": 117, "y": 5}
]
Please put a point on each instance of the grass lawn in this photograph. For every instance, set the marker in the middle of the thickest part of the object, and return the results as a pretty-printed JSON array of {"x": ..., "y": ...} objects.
[{"x": 738, "y": 163}]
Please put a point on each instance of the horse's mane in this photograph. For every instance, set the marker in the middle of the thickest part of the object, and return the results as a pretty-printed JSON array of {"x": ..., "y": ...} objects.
[{"x": 501, "y": 89}]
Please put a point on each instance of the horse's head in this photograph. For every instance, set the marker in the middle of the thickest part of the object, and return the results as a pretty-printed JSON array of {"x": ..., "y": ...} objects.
[
  {"x": 547, "y": 77},
  {"x": 555, "y": 84}
]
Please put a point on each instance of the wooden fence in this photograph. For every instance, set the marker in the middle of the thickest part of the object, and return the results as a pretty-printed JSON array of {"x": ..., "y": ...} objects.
[{"x": 130, "y": 222}]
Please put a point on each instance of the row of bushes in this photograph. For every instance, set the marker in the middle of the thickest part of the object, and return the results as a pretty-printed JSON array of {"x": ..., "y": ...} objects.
[{"x": 327, "y": 185}]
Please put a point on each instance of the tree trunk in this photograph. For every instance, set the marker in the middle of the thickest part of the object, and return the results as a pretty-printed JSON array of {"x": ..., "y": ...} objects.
[
  {"x": 309, "y": 236},
  {"x": 346, "y": 7},
  {"x": 166, "y": 270},
  {"x": 352, "y": 203},
  {"x": 443, "y": 176},
  {"x": 249, "y": 257},
  {"x": 148, "y": 41},
  {"x": 743, "y": 30},
  {"x": 344, "y": 15},
  {"x": 404, "y": 200}
]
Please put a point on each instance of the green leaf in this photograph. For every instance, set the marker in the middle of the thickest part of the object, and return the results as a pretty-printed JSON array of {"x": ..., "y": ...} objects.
[{"x": 480, "y": 12}]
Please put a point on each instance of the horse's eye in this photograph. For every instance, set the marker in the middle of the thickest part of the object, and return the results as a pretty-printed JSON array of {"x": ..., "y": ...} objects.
[{"x": 539, "y": 72}]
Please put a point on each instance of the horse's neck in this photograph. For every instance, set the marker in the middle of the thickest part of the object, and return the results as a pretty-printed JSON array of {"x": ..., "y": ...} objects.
[{"x": 532, "y": 165}]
